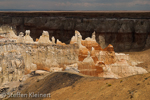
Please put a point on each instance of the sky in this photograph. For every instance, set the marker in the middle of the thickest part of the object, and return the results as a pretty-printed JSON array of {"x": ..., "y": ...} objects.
[{"x": 97, "y": 5}]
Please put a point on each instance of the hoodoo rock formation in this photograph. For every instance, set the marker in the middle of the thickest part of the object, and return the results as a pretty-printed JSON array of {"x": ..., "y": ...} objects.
[
  {"x": 20, "y": 55},
  {"x": 44, "y": 38},
  {"x": 83, "y": 43},
  {"x": 27, "y": 38}
]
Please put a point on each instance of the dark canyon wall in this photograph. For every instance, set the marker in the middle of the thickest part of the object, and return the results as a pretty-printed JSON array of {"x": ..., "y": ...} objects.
[{"x": 126, "y": 31}]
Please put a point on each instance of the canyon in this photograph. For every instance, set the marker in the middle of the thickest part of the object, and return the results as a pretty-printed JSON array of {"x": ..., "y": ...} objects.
[
  {"x": 126, "y": 31},
  {"x": 77, "y": 45}
]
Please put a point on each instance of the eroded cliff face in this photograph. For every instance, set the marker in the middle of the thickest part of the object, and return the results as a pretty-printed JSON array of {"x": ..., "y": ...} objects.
[
  {"x": 21, "y": 58},
  {"x": 126, "y": 31}
]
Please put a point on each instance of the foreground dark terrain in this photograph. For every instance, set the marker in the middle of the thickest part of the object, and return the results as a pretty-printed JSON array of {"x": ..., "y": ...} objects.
[{"x": 69, "y": 86}]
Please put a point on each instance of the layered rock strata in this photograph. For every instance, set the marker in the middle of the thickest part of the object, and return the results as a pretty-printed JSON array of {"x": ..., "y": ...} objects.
[
  {"x": 126, "y": 31},
  {"x": 20, "y": 55}
]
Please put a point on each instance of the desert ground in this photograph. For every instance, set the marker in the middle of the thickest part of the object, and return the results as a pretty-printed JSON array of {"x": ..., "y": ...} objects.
[{"x": 142, "y": 56}]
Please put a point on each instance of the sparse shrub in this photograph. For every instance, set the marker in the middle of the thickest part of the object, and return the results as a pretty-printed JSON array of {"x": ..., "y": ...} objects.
[
  {"x": 109, "y": 84},
  {"x": 38, "y": 80},
  {"x": 131, "y": 96},
  {"x": 121, "y": 81}
]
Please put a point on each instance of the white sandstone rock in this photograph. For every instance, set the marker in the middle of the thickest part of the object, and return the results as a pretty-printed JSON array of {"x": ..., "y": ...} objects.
[
  {"x": 53, "y": 40},
  {"x": 88, "y": 59},
  {"x": 41, "y": 72},
  {"x": 93, "y": 36},
  {"x": 27, "y": 38},
  {"x": 44, "y": 38},
  {"x": 55, "y": 69},
  {"x": 72, "y": 68},
  {"x": 20, "y": 38},
  {"x": 11, "y": 34}
]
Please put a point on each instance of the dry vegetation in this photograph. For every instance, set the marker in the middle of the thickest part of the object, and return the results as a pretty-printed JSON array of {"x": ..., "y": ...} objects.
[{"x": 69, "y": 86}]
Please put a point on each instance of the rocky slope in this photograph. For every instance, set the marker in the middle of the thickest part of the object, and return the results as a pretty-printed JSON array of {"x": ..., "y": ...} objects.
[
  {"x": 126, "y": 31},
  {"x": 70, "y": 86}
]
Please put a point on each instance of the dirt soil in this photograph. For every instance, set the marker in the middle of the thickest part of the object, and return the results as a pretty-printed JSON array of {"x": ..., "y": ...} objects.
[
  {"x": 142, "y": 56},
  {"x": 47, "y": 84},
  {"x": 134, "y": 88},
  {"x": 70, "y": 86}
]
